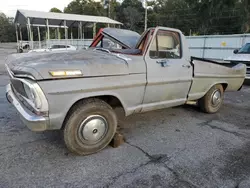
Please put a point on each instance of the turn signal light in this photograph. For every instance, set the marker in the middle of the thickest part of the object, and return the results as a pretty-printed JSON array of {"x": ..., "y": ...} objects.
[{"x": 66, "y": 73}]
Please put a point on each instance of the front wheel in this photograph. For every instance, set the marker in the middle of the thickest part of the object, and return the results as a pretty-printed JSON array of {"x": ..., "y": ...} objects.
[
  {"x": 213, "y": 100},
  {"x": 90, "y": 127}
]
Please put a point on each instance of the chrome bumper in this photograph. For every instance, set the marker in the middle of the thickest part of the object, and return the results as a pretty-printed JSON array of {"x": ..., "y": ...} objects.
[{"x": 33, "y": 122}]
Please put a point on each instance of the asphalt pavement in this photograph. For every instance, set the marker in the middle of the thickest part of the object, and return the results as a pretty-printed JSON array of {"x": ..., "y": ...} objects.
[{"x": 178, "y": 147}]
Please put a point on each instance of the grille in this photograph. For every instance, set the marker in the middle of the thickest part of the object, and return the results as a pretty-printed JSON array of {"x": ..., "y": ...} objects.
[
  {"x": 246, "y": 63},
  {"x": 248, "y": 69}
]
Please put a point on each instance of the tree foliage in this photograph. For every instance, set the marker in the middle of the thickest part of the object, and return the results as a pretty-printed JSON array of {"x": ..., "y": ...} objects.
[
  {"x": 191, "y": 16},
  {"x": 55, "y": 10},
  {"x": 87, "y": 7},
  {"x": 7, "y": 29},
  {"x": 196, "y": 17}
]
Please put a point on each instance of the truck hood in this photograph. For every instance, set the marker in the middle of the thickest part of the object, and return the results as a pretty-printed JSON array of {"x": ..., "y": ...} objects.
[
  {"x": 238, "y": 57},
  {"x": 91, "y": 63}
]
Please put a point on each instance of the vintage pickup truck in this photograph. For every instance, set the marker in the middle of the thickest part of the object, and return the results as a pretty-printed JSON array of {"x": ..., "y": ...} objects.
[{"x": 78, "y": 91}]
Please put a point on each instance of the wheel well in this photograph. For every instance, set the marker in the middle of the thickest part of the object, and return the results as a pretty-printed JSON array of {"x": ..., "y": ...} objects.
[
  {"x": 224, "y": 85},
  {"x": 113, "y": 101}
]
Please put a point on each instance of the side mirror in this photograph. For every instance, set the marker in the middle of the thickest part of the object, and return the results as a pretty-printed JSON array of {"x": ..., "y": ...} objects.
[{"x": 236, "y": 51}]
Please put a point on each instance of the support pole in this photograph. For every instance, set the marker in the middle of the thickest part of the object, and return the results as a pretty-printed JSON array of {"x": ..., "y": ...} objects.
[
  {"x": 80, "y": 32},
  {"x": 32, "y": 38},
  {"x": 48, "y": 34},
  {"x": 58, "y": 33},
  {"x": 20, "y": 31},
  {"x": 17, "y": 40},
  {"x": 39, "y": 37},
  {"x": 94, "y": 30},
  {"x": 109, "y": 10},
  {"x": 30, "y": 33},
  {"x": 66, "y": 32},
  {"x": 83, "y": 28}
]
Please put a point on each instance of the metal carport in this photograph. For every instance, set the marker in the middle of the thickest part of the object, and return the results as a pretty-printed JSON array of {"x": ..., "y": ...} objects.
[{"x": 30, "y": 18}]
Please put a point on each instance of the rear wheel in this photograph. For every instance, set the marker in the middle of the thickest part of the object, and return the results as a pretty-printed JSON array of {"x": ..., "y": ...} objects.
[
  {"x": 213, "y": 100},
  {"x": 90, "y": 127}
]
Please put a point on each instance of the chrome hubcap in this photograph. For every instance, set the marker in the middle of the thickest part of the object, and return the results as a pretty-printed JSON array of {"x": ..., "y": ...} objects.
[
  {"x": 93, "y": 129},
  {"x": 216, "y": 98}
]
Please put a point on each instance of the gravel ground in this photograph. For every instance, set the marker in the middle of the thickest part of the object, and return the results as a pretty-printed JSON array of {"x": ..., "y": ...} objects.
[{"x": 178, "y": 147}]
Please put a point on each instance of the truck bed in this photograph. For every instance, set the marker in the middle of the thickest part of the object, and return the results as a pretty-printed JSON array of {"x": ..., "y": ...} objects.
[
  {"x": 227, "y": 64},
  {"x": 224, "y": 63},
  {"x": 207, "y": 73}
]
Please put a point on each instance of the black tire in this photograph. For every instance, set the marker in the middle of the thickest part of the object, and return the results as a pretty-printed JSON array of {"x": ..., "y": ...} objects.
[
  {"x": 206, "y": 103},
  {"x": 75, "y": 125}
]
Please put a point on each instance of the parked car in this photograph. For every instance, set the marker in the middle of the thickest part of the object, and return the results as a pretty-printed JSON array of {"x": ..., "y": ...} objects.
[
  {"x": 78, "y": 91},
  {"x": 241, "y": 55},
  {"x": 56, "y": 47}
]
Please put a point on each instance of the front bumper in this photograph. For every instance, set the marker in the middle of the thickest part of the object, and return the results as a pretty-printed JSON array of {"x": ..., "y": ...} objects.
[{"x": 33, "y": 122}]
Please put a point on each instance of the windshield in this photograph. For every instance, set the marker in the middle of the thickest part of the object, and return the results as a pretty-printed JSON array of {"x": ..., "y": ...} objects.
[
  {"x": 245, "y": 49},
  {"x": 109, "y": 44},
  {"x": 127, "y": 37}
]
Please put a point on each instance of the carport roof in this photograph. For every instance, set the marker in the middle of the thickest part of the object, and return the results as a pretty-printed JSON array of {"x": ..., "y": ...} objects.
[{"x": 38, "y": 17}]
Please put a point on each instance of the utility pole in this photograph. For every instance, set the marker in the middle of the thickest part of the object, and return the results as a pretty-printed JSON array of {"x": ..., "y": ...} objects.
[
  {"x": 146, "y": 14},
  {"x": 109, "y": 7}
]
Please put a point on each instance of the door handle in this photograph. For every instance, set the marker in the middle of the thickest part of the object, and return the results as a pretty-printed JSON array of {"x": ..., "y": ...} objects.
[
  {"x": 164, "y": 63},
  {"x": 186, "y": 66}
]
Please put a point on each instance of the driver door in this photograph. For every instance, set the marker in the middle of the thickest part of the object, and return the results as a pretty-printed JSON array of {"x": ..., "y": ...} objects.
[{"x": 169, "y": 73}]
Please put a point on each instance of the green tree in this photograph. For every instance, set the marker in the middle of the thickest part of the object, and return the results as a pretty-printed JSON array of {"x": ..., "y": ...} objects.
[
  {"x": 55, "y": 10},
  {"x": 87, "y": 7},
  {"x": 131, "y": 14},
  {"x": 244, "y": 6},
  {"x": 7, "y": 29},
  {"x": 190, "y": 16}
]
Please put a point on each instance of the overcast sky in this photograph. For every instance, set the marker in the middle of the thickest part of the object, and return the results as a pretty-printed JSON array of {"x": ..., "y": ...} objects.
[{"x": 9, "y": 7}]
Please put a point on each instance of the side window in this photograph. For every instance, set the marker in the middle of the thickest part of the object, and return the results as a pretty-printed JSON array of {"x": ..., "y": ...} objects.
[{"x": 167, "y": 45}]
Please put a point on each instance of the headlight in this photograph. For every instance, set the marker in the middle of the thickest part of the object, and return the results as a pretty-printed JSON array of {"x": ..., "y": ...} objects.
[
  {"x": 32, "y": 95},
  {"x": 29, "y": 92}
]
